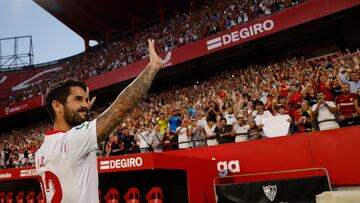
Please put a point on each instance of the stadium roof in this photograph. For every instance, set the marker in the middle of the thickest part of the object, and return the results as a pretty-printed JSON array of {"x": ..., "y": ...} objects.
[{"x": 100, "y": 20}]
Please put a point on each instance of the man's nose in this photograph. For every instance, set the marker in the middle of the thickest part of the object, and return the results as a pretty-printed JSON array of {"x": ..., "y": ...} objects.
[{"x": 85, "y": 104}]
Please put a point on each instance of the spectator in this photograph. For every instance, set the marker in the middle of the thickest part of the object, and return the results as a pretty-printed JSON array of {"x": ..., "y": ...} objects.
[
  {"x": 261, "y": 114},
  {"x": 295, "y": 97},
  {"x": 211, "y": 132},
  {"x": 184, "y": 134},
  {"x": 109, "y": 142},
  {"x": 303, "y": 122},
  {"x": 346, "y": 107},
  {"x": 129, "y": 142},
  {"x": 144, "y": 140},
  {"x": 117, "y": 147},
  {"x": 157, "y": 137},
  {"x": 241, "y": 130},
  {"x": 226, "y": 132},
  {"x": 324, "y": 112},
  {"x": 198, "y": 138},
  {"x": 174, "y": 121},
  {"x": 168, "y": 141},
  {"x": 353, "y": 81},
  {"x": 324, "y": 84},
  {"x": 7, "y": 155},
  {"x": 336, "y": 87},
  {"x": 308, "y": 93},
  {"x": 162, "y": 122},
  {"x": 2, "y": 158}
]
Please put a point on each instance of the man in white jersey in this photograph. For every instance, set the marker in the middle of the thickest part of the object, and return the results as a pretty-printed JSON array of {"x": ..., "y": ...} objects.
[{"x": 66, "y": 161}]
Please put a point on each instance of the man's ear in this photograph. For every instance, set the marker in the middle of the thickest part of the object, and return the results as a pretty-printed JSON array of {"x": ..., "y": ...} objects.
[{"x": 58, "y": 107}]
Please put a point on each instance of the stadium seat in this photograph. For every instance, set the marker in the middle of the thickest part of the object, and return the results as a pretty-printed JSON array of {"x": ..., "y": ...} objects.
[
  {"x": 2, "y": 197},
  {"x": 9, "y": 197},
  {"x": 40, "y": 198},
  {"x": 20, "y": 197},
  {"x": 155, "y": 195},
  {"x": 30, "y": 198},
  {"x": 112, "y": 196},
  {"x": 132, "y": 196}
]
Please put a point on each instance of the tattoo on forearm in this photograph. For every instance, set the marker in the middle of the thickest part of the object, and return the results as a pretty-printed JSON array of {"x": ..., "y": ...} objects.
[{"x": 125, "y": 102}]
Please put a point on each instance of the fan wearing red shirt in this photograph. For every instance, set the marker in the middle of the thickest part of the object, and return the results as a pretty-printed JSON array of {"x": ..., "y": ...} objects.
[
  {"x": 295, "y": 97},
  {"x": 284, "y": 87},
  {"x": 345, "y": 104},
  {"x": 324, "y": 85}
]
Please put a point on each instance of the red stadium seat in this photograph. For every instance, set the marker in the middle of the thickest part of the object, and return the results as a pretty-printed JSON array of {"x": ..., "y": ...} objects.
[
  {"x": 112, "y": 196},
  {"x": 40, "y": 198},
  {"x": 9, "y": 197},
  {"x": 2, "y": 197},
  {"x": 155, "y": 195},
  {"x": 132, "y": 196},
  {"x": 30, "y": 198},
  {"x": 20, "y": 197}
]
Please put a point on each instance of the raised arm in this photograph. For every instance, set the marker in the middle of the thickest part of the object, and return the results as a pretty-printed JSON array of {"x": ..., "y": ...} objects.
[{"x": 129, "y": 97}]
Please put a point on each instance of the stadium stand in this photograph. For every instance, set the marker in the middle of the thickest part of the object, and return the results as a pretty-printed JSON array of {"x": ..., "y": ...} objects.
[
  {"x": 185, "y": 27},
  {"x": 300, "y": 74},
  {"x": 232, "y": 100}
]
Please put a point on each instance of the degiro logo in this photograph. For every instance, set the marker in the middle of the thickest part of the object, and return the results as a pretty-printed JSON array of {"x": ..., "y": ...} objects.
[
  {"x": 224, "y": 167},
  {"x": 121, "y": 163},
  {"x": 243, "y": 33}
]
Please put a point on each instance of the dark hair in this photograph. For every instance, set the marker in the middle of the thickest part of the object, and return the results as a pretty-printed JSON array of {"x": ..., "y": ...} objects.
[
  {"x": 258, "y": 103},
  {"x": 60, "y": 91},
  {"x": 320, "y": 91},
  {"x": 210, "y": 118}
]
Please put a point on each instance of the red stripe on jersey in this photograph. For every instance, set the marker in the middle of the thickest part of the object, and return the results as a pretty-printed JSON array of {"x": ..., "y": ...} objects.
[{"x": 52, "y": 132}]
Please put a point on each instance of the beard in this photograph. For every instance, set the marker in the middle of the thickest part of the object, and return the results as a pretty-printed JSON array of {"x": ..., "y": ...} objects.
[{"x": 73, "y": 117}]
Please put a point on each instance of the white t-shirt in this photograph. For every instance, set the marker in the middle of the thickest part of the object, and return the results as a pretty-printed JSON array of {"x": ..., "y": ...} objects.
[
  {"x": 144, "y": 139},
  {"x": 230, "y": 118},
  {"x": 239, "y": 130},
  {"x": 67, "y": 164},
  {"x": 183, "y": 137},
  {"x": 210, "y": 132},
  {"x": 156, "y": 138},
  {"x": 325, "y": 114},
  {"x": 258, "y": 118},
  {"x": 202, "y": 122}
]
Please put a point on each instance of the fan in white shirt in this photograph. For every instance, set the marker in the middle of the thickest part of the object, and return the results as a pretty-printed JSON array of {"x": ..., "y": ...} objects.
[
  {"x": 324, "y": 112},
  {"x": 210, "y": 132},
  {"x": 184, "y": 135},
  {"x": 261, "y": 114},
  {"x": 241, "y": 130}
]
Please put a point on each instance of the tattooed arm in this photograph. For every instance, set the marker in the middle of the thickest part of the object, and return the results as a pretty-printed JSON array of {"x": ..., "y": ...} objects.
[{"x": 129, "y": 97}]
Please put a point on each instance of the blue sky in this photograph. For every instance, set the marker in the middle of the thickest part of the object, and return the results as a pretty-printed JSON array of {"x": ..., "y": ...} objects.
[{"x": 52, "y": 40}]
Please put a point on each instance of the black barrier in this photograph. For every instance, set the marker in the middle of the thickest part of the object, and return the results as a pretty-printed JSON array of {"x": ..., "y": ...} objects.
[
  {"x": 17, "y": 186},
  {"x": 173, "y": 184},
  {"x": 297, "y": 190}
]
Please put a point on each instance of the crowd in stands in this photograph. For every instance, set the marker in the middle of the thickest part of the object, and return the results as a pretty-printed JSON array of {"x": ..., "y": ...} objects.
[
  {"x": 230, "y": 106},
  {"x": 184, "y": 27},
  {"x": 18, "y": 147}
]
